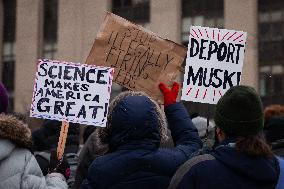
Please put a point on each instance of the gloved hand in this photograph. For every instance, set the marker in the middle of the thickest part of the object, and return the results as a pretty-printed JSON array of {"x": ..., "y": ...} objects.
[
  {"x": 59, "y": 166},
  {"x": 170, "y": 95}
]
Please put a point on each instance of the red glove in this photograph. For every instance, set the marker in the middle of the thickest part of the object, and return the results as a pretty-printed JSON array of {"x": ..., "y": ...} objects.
[{"x": 170, "y": 96}]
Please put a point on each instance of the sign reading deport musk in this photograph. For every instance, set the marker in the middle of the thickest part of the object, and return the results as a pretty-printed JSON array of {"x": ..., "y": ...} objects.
[{"x": 214, "y": 63}]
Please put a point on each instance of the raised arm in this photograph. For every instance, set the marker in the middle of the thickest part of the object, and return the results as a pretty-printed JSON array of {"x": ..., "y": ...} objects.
[{"x": 184, "y": 133}]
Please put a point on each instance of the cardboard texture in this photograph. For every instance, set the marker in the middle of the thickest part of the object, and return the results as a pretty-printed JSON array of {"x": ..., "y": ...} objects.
[{"x": 141, "y": 59}]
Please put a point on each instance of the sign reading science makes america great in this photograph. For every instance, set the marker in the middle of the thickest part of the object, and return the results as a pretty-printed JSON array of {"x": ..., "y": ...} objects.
[{"x": 72, "y": 92}]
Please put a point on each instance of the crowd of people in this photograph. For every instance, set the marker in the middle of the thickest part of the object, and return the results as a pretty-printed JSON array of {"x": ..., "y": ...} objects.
[{"x": 147, "y": 146}]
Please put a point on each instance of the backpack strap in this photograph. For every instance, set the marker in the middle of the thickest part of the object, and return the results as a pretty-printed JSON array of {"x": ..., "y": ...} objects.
[
  {"x": 183, "y": 169},
  {"x": 280, "y": 184}
]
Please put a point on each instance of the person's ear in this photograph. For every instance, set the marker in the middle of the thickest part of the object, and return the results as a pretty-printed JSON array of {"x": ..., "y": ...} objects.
[
  {"x": 220, "y": 134},
  {"x": 218, "y": 131}
]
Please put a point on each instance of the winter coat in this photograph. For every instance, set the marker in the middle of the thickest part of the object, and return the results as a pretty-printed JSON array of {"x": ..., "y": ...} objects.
[
  {"x": 91, "y": 151},
  {"x": 18, "y": 167},
  {"x": 134, "y": 159},
  {"x": 97, "y": 146},
  {"x": 46, "y": 139},
  {"x": 88, "y": 154},
  {"x": 274, "y": 133},
  {"x": 226, "y": 168}
]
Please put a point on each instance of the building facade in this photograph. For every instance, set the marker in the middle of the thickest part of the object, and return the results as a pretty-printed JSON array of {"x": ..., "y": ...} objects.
[{"x": 66, "y": 29}]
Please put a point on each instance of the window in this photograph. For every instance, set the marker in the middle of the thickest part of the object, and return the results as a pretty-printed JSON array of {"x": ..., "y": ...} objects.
[
  {"x": 271, "y": 33},
  {"x": 50, "y": 28},
  {"x": 137, "y": 11},
  {"x": 8, "y": 53},
  {"x": 8, "y": 74},
  {"x": 271, "y": 48},
  {"x": 201, "y": 13}
]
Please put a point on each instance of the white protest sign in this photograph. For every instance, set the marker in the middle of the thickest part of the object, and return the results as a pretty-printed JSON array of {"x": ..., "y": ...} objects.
[
  {"x": 214, "y": 63},
  {"x": 72, "y": 92}
]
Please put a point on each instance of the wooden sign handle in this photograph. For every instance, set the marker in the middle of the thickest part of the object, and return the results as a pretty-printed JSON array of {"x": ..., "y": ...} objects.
[{"x": 62, "y": 139}]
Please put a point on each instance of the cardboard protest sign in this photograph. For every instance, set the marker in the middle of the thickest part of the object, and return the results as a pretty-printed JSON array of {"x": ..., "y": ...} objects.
[
  {"x": 141, "y": 59},
  {"x": 214, "y": 63},
  {"x": 72, "y": 92}
]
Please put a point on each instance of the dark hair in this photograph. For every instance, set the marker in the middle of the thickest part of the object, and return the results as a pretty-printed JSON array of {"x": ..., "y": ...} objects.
[
  {"x": 87, "y": 132},
  {"x": 253, "y": 146}
]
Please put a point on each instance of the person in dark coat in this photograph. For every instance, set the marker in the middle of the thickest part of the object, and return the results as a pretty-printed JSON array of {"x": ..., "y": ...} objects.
[
  {"x": 87, "y": 132},
  {"x": 242, "y": 159},
  {"x": 96, "y": 145},
  {"x": 134, "y": 132},
  {"x": 46, "y": 139},
  {"x": 274, "y": 128}
]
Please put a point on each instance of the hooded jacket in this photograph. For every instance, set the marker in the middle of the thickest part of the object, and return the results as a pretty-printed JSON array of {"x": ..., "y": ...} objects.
[
  {"x": 134, "y": 159},
  {"x": 97, "y": 146},
  {"x": 231, "y": 169},
  {"x": 18, "y": 167}
]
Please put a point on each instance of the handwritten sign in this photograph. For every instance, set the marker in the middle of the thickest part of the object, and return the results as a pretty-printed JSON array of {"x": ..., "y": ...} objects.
[
  {"x": 214, "y": 63},
  {"x": 72, "y": 92},
  {"x": 141, "y": 58}
]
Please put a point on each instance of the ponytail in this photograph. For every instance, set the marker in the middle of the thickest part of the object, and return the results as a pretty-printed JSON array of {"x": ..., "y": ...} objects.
[{"x": 253, "y": 146}]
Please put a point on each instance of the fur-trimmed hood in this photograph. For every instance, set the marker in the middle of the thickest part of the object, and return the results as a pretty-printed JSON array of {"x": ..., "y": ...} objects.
[
  {"x": 105, "y": 135},
  {"x": 15, "y": 131}
]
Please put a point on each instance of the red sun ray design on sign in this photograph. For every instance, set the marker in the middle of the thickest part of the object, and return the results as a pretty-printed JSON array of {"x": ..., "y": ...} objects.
[
  {"x": 225, "y": 36},
  {"x": 200, "y": 32},
  {"x": 195, "y": 33},
  {"x": 197, "y": 93},
  {"x": 231, "y": 36},
  {"x": 205, "y": 94},
  {"x": 206, "y": 33},
  {"x": 238, "y": 37},
  {"x": 188, "y": 91}
]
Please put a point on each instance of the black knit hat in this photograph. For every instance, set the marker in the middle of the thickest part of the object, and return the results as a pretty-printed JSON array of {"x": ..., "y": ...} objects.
[{"x": 239, "y": 112}]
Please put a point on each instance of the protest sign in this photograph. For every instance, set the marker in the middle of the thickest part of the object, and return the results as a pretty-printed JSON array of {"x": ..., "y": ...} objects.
[
  {"x": 72, "y": 92},
  {"x": 214, "y": 63},
  {"x": 141, "y": 59}
]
